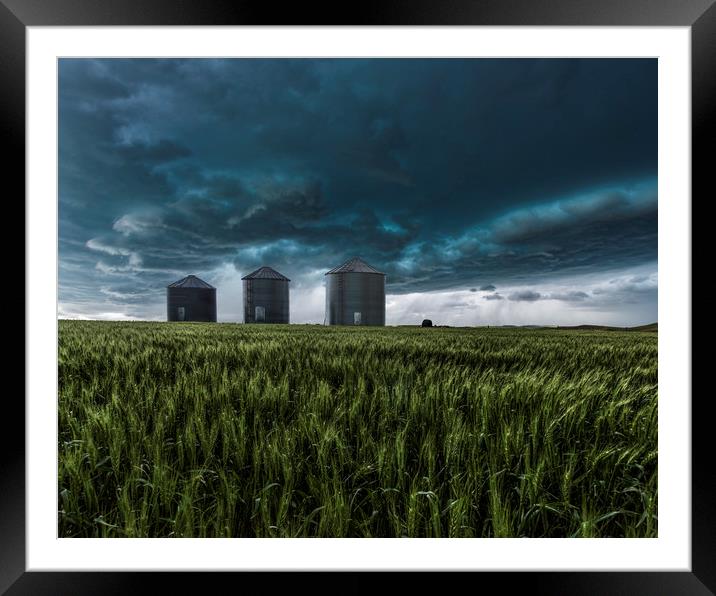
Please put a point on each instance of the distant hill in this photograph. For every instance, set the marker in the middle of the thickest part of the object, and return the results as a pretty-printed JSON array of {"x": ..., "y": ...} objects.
[
  {"x": 650, "y": 327},
  {"x": 654, "y": 327}
]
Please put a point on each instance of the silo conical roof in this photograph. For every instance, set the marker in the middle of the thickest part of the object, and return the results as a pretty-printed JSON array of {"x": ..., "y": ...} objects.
[
  {"x": 191, "y": 281},
  {"x": 266, "y": 273},
  {"x": 355, "y": 265}
]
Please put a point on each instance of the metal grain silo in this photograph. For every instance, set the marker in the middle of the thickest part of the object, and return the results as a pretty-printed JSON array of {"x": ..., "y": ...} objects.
[
  {"x": 355, "y": 294},
  {"x": 191, "y": 299},
  {"x": 265, "y": 296}
]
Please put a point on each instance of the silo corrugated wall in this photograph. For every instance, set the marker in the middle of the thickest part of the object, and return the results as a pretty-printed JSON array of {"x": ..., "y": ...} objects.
[
  {"x": 271, "y": 295},
  {"x": 354, "y": 298},
  {"x": 199, "y": 304}
]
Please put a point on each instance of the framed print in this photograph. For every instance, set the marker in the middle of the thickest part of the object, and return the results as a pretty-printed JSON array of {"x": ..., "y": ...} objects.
[{"x": 397, "y": 294}]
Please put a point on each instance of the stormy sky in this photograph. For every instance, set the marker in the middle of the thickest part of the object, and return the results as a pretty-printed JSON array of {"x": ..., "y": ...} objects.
[{"x": 490, "y": 191}]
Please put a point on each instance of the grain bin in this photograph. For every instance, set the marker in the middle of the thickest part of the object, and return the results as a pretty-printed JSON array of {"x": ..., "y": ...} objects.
[
  {"x": 265, "y": 296},
  {"x": 355, "y": 294},
  {"x": 191, "y": 299}
]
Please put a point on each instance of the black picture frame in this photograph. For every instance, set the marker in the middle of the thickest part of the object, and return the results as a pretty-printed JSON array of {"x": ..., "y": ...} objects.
[{"x": 17, "y": 15}]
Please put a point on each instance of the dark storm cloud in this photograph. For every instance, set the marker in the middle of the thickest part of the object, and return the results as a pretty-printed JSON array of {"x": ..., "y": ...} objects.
[
  {"x": 442, "y": 173},
  {"x": 144, "y": 153},
  {"x": 525, "y": 296},
  {"x": 574, "y": 296}
]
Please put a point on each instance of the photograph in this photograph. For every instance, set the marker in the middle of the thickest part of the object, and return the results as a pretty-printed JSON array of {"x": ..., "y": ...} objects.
[{"x": 357, "y": 297}]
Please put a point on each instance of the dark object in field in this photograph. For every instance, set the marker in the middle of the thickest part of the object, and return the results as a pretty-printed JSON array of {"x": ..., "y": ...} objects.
[
  {"x": 191, "y": 299},
  {"x": 266, "y": 296},
  {"x": 426, "y": 323},
  {"x": 355, "y": 294}
]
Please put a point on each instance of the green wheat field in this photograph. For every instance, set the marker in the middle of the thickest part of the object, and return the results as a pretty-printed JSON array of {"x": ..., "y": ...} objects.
[{"x": 228, "y": 430}]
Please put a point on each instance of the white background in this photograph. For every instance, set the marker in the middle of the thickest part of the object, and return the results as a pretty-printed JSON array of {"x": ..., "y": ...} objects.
[{"x": 670, "y": 551}]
